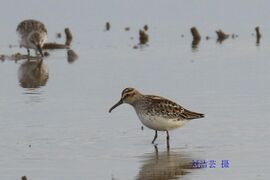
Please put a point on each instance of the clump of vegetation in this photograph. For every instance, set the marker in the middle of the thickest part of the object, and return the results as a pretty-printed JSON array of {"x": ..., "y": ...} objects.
[
  {"x": 68, "y": 37},
  {"x": 107, "y": 26},
  {"x": 143, "y": 37},
  {"x": 58, "y": 35},
  {"x": 196, "y": 37},
  {"x": 195, "y": 34},
  {"x": 145, "y": 27},
  {"x": 221, "y": 35},
  {"x": 258, "y": 34}
]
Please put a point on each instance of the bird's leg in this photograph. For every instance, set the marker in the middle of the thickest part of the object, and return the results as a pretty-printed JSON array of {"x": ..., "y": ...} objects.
[
  {"x": 28, "y": 53},
  {"x": 155, "y": 137},
  {"x": 168, "y": 140}
]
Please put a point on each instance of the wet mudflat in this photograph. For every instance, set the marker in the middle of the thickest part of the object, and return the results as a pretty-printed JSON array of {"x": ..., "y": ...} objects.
[{"x": 54, "y": 124}]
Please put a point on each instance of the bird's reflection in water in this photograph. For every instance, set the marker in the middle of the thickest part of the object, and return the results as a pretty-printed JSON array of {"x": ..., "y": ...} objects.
[
  {"x": 165, "y": 165},
  {"x": 33, "y": 74}
]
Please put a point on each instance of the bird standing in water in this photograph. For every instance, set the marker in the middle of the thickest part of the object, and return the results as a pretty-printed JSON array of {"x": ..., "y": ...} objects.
[
  {"x": 32, "y": 35},
  {"x": 157, "y": 113}
]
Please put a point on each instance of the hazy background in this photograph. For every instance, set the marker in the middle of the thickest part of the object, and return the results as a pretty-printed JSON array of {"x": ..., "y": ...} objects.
[{"x": 67, "y": 124}]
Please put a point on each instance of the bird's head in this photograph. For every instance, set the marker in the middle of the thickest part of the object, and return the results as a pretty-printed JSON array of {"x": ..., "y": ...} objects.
[
  {"x": 37, "y": 39},
  {"x": 129, "y": 96}
]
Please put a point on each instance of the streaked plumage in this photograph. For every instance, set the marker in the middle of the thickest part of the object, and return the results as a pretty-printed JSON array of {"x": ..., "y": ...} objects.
[
  {"x": 32, "y": 34},
  {"x": 155, "y": 112}
]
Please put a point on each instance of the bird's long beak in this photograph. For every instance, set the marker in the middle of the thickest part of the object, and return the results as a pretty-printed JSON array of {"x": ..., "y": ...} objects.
[
  {"x": 117, "y": 104},
  {"x": 40, "y": 50}
]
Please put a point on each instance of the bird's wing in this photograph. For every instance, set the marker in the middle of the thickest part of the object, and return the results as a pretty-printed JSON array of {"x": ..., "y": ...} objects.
[{"x": 170, "y": 109}]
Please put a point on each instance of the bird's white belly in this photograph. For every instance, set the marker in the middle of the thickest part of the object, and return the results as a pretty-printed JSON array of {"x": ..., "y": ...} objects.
[
  {"x": 160, "y": 123},
  {"x": 24, "y": 41}
]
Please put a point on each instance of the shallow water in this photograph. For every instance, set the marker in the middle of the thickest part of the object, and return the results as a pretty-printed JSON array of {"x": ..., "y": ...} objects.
[{"x": 61, "y": 128}]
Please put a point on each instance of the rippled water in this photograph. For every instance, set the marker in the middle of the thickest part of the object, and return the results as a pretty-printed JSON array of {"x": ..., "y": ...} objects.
[{"x": 54, "y": 123}]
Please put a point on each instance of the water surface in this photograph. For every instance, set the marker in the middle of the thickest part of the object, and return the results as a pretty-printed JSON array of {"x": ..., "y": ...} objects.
[{"x": 60, "y": 128}]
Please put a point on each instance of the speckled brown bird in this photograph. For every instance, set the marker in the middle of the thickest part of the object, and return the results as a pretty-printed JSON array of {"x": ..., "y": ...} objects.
[
  {"x": 32, "y": 35},
  {"x": 155, "y": 112}
]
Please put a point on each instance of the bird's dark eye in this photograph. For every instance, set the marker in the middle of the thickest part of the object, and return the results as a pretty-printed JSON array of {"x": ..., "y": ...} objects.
[{"x": 125, "y": 96}]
